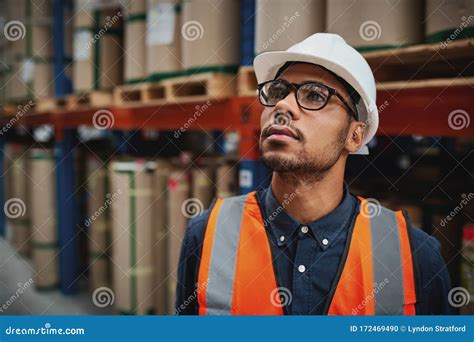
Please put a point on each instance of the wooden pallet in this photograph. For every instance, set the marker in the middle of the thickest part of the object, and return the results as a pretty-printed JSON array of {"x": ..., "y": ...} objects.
[
  {"x": 93, "y": 99},
  {"x": 50, "y": 104},
  {"x": 423, "y": 61},
  {"x": 247, "y": 81},
  {"x": 194, "y": 88}
]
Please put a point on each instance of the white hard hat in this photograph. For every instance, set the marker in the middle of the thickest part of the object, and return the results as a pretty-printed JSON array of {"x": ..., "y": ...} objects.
[{"x": 333, "y": 53}]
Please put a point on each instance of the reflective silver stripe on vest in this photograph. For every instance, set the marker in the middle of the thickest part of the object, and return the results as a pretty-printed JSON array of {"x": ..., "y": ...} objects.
[
  {"x": 224, "y": 256},
  {"x": 387, "y": 263}
]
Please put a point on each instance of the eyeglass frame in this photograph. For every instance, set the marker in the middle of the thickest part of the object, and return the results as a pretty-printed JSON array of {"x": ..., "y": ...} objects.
[{"x": 295, "y": 86}]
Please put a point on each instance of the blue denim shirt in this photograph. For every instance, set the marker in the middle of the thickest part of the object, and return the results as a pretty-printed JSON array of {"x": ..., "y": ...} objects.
[{"x": 318, "y": 248}]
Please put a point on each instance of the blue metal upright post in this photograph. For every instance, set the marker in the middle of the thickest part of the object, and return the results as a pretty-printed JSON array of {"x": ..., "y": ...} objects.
[
  {"x": 67, "y": 212},
  {"x": 62, "y": 84}
]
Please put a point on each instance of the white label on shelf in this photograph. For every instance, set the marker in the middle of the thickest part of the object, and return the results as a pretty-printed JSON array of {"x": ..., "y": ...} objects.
[
  {"x": 83, "y": 45},
  {"x": 161, "y": 24},
  {"x": 27, "y": 70},
  {"x": 245, "y": 179}
]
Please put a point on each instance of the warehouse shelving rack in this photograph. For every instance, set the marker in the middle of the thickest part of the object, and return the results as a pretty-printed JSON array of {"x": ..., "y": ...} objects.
[
  {"x": 416, "y": 107},
  {"x": 420, "y": 108}
]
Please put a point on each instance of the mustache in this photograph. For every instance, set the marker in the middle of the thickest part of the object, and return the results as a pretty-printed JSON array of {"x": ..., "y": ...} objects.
[{"x": 299, "y": 134}]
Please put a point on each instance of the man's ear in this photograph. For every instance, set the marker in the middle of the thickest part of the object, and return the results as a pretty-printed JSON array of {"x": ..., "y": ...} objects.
[{"x": 355, "y": 136}]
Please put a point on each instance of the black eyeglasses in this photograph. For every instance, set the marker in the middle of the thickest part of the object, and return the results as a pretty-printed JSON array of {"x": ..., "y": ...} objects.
[{"x": 310, "y": 95}]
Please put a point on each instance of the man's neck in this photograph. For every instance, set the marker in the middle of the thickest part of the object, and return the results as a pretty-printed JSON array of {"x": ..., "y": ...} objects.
[{"x": 308, "y": 201}]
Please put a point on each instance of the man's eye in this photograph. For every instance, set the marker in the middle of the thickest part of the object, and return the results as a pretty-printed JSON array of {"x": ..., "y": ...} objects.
[
  {"x": 314, "y": 96},
  {"x": 277, "y": 93}
]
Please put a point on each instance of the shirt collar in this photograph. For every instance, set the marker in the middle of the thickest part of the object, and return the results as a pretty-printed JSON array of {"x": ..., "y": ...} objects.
[{"x": 325, "y": 229}]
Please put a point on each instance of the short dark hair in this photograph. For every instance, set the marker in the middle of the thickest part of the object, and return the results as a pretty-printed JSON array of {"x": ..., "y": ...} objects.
[{"x": 353, "y": 94}]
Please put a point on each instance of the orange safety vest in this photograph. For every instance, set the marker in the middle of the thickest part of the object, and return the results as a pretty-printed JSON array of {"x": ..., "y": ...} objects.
[{"x": 236, "y": 274}]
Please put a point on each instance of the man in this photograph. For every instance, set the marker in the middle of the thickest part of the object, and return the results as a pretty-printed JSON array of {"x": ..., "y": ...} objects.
[{"x": 305, "y": 245}]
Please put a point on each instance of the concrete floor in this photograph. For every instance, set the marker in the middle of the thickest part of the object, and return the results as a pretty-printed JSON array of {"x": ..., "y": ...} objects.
[{"x": 17, "y": 271}]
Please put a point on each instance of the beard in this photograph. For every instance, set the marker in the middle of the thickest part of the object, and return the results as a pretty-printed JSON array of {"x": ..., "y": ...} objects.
[{"x": 304, "y": 167}]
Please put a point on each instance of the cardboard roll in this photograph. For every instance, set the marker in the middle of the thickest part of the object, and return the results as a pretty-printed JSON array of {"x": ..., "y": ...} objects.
[
  {"x": 134, "y": 292},
  {"x": 99, "y": 272},
  {"x": 279, "y": 24},
  {"x": 20, "y": 187},
  {"x": 97, "y": 62},
  {"x": 449, "y": 19},
  {"x": 372, "y": 24},
  {"x": 28, "y": 10},
  {"x": 135, "y": 7},
  {"x": 160, "y": 225},
  {"x": 43, "y": 196},
  {"x": 210, "y": 34},
  {"x": 180, "y": 209},
  {"x": 45, "y": 266},
  {"x": 163, "y": 39},
  {"x": 135, "y": 47},
  {"x": 132, "y": 226},
  {"x": 31, "y": 78},
  {"x": 37, "y": 43}
]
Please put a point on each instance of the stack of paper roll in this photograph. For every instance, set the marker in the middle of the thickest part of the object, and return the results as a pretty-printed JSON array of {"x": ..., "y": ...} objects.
[
  {"x": 163, "y": 39},
  {"x": 97, "y": 223},
  {"x": 43, "y": 219},
  {"x": 20, "y": 196},
  {"x": 98, "y": 53},
  {"x": 449, "y": 20},
  {"x": 180, "y": 208},
  {"x": 227, "y": 180},
  {"x": 372, "y": 24},
  {"x": 160, "y": 229},
  {"x": 280, "y": 24},
  {"x": 132, "y": 226},
  {"x": 135, "y": 42},
  {"x": 29, "y": 32},
  {"x": 211, "y": 35}
]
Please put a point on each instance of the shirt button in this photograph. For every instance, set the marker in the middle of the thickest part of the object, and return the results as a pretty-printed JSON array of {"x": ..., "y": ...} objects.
[
  {"x": 304, "y": 229},
  {"x": 301, "y": 268},
  {"x": 282, "y": 238},
  {"x": 325, "y": 242}
]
